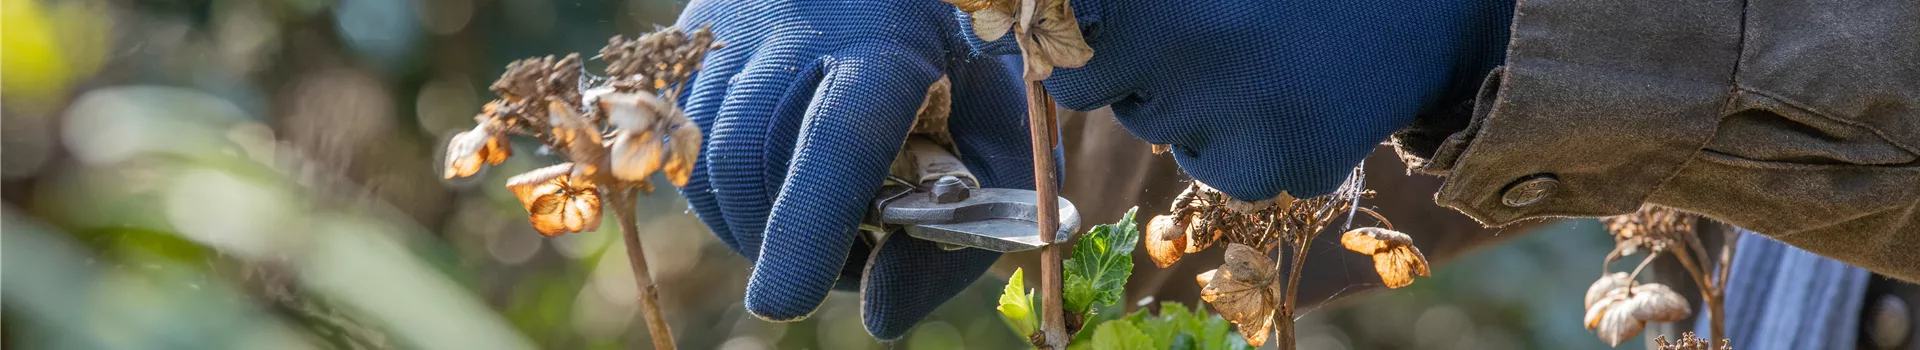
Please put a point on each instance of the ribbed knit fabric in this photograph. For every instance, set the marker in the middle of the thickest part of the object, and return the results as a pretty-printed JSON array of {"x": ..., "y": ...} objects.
[
  {"x": 803, "y": 110},
  {"x": 1259, "y": 97},
  {"x": 1781, "y": 297}
]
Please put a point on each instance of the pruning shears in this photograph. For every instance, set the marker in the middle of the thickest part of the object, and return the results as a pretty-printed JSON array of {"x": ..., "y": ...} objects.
[{"x": 941, "y": 201}]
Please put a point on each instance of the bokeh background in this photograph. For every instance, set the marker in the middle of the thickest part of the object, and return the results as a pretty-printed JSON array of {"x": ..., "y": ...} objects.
[{"x": 262, "y": 174}]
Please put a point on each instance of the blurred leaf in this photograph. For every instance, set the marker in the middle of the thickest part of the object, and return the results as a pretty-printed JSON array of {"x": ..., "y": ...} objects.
[
  {"x": 1016, "y": 305},
  {"x": 1121, "y": 336},
  {"x": 1097, "y": 272}
]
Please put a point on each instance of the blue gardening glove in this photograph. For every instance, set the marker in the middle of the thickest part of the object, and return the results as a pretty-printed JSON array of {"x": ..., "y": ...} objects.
[
  {"x": 802, "y": 112},
  {"x": 1260, "y": 97}
]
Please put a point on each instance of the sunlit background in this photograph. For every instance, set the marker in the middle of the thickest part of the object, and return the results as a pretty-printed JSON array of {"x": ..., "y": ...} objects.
[{"x": 262, "y": 174}]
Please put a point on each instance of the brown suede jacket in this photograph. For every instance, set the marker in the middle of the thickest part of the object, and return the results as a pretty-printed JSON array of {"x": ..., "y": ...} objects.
[{"x": 1798, "y": 119}]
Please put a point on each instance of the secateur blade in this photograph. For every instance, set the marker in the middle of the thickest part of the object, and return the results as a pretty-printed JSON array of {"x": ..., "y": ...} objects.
[{"x": 997, "y": 219}]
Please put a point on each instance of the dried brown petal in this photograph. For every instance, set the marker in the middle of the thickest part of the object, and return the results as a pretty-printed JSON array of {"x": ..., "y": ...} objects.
[
  {"x": 1612, "y": 319},
  {"x": 1058, "y": 35},
  {"x": 632, "y": 111},
  {"x": 1200, "y": 235},
  {"x": 1165, "y": 239},
  {"x": 1654, "y": 302},
  {"x": 1244, "y": 292},
  {"x": 635, "y": 155},
  {"x": 684, "y": 150},
  {"x": 1604, "y": 285},
  {"x": 1394, "y": 256},
  {"x": 1397, "y": 266},
  {"x": 1374, "y": 240},
  {"x": 556, "y": 202},
  {"x": 994, "y": 20},
  {"x": 970, "y": 5},
  {"x": 1034, "y": 62},
  {"x": 471, "y": 149}
]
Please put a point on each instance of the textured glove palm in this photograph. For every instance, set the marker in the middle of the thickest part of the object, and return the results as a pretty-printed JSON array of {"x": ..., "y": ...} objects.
[
  {"x": 803, "y": 111},
  {"x": 1261, "y": 97}
]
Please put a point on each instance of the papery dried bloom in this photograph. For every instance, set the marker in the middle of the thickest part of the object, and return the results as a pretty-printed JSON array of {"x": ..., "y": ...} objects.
[
  {"x": 1653, "y": 228},
  {"x": 1165, "y": 239},
  {"x": 1604, "y": 285},
  {"x": 1612, "y": 320},
  {"x": 578, "y": 137},
  {"x": 1394, "y": 256},
  {"x": 1053, "y": 41},
  {"x": 685, "y": 142},
  {"x": 557, "y": 203},
  {"x": 469, "y": 150},
  {"x": 637, "y": 147},
  {"x": 1625, "y": 307},
  {"x": 1654, "y": 302},
  {"x": 1244, "y": 292}
]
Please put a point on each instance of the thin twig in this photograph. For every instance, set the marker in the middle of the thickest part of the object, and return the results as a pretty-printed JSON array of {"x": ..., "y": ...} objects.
[
  {"x": 1717, "y": 299},
  {"x": 622, "y": 201}
]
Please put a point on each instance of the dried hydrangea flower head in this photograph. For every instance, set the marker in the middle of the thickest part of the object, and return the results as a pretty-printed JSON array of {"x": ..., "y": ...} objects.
[
  {"x": 1053, "y": 40},
  {"x": 1618, "y": 307},
  {"x": 628, "y": 122}
]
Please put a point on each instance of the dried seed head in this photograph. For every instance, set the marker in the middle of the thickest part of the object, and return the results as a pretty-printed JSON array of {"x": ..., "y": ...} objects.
[
  {"x": 1165, "y": 239},
  {"x": 1653, "y": 228},
  {"x": 1688, "y": 341}
]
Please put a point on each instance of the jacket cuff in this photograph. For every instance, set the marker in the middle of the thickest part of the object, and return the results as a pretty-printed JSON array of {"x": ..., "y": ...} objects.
[
  {"x": 1086, "y": 12},
  {"x": 1600, "y": 101}
]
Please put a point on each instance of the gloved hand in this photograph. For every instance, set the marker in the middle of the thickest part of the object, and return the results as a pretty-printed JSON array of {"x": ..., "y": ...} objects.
[
  {"x": 1260, "y": 97},
  {"x": 802, "y": 112}
]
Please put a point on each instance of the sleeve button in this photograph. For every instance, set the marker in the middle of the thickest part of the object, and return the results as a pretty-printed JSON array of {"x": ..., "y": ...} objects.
[{"x": 1529, "y": 190}]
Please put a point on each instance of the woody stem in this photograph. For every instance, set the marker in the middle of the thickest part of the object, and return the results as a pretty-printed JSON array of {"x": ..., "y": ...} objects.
[
  {"x": 622, "y": 202},
  {"x": 1283, "y": 320},
  {"x": 1040, "y": 118}
]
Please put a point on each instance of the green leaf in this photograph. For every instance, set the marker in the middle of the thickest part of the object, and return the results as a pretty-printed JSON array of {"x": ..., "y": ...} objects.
[
  {"x": 1016, "y": 305},
  {"x": 1101, "y": 262},
  {"x": 1121, "y": 335}
]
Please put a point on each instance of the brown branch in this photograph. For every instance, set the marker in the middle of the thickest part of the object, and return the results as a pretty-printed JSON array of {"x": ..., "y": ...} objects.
[
  {"x": 622, "y": 200},
  {"x": 1283, "y": 320},
  {"x": 1040, "y": 116}
]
